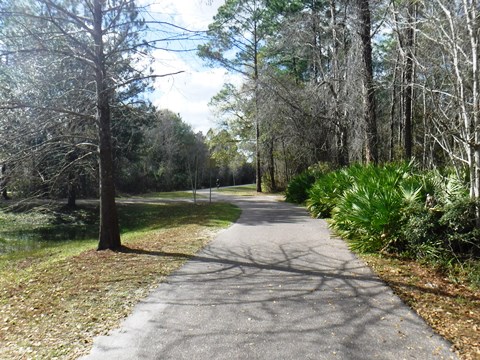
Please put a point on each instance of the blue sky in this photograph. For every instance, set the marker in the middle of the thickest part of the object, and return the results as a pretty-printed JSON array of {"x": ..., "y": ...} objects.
[{"x": 188, "y": 93}]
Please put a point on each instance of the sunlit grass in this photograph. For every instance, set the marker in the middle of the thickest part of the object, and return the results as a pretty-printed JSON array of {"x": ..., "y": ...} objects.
[
  {"x": 170, "y": 195},
  {"x": 241, "y": 190},
  {"x": 155, "y": 216},
  {"x": 245, "y": 190}
]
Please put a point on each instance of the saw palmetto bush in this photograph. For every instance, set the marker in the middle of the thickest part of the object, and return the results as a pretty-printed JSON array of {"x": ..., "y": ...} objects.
[
  {"x": 323, "y": 195},
  {"x": 383, "y": 208},
  {"x": 396, "y": 208},
  {"x": 368, "y": 213},
  {"x": 298, "y": 188},
  {"x": 445, "y": 232}
]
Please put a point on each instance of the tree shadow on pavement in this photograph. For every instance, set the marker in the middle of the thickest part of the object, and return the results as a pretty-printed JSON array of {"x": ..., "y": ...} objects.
[
  {"x": 335, "y": 307},
  {"x": 278, "y": 294}
]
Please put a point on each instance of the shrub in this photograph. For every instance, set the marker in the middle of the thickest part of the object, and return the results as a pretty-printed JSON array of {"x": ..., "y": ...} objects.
[
  {"x": 444, "y": 234},
  {"x": 461, "y": 235},
  {"x": 297, "y": 189},
  {"x": 418, "y": 235},
  {"x": 367, "y": 216},
  {"x": 369, "y": 212},
  {"x": 323, "y": 195},
  {"x": 382, "y": 208}
]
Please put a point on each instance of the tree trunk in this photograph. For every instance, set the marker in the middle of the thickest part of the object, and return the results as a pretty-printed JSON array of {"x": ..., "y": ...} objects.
[
  {"x": 408, "y": 92},
  {"x": 392, "y": 113},
  {"x": 193, "y": 177},
  {"x": 4, "y": 182},
  {"x": 109, "y": 233},
  {"x": 371, "y": 144},
  {"x": 285, "y": 161},
  {"x": 335, "y": 87},
  {"x": 272, "y": 167},
  {"x": 258, "y": 172},
  {"x": 343, "y": 155},
  {"x": 72, "y": 193},
  {"x": 472, "y": 25},
  {"x": 257, "y": 120}
]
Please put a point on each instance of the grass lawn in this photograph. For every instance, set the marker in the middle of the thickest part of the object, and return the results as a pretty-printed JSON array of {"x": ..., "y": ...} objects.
[
  {"x": 241, "y": 190},
  {"x": 244, "y": 190},
  {"x": 170, "y": 195},
  {"x": 54, "y": 300}
]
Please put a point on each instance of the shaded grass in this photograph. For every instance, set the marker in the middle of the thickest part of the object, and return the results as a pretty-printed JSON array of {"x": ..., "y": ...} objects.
[
  {"x": 154, "y": 216},
  {"x": 27, "y": 229},
  {"x": 55, "y": 300}
]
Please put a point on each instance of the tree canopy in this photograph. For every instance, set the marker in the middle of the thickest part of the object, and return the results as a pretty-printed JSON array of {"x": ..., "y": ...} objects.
[{"x": 351, "y": 81}]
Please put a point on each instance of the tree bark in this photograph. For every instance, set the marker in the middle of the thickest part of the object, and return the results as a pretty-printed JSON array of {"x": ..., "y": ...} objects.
[
  {"x": 408, "y": 92},
  {"x": 72, "y": 193},
  {"x": 4, "y": 182},
  {"x": 258, "y": 170},
  {"x": 392, "y": 113},
  {"x": 473, "y": 27},
  {"x": 109, "y": 232},
  {"x": 273, "y": 184},
  {"x": 341, "y": 134},
  {"x": 371, "y": 144}
]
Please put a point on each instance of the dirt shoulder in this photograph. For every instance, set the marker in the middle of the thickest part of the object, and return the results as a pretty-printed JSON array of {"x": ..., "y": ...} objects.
[{"x": 451, "y": 309}]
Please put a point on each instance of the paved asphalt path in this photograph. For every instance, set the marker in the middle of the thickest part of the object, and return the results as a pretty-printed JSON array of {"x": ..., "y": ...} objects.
[{"x": 275, "y": 285}]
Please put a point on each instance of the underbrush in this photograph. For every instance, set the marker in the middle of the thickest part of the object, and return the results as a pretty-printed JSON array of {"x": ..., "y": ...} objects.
[
  {"x": 298, "y": 188},
  {"x": 397, "y": 209},
  {"x": 418, "y": 231}
]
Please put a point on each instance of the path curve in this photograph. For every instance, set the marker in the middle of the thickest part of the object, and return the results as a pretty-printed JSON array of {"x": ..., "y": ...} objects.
[{"x": 275, "y": 285}]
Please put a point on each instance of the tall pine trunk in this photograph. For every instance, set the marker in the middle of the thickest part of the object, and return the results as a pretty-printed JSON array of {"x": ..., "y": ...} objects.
[
  {"x": 258, "y": 169},
  {"x": 371, "y": 141},
  {"x": 3, "y": 182},
  {"x": 271, "y": 165},
  {"x": 408, "y": 92},
  {"x": 109, "y": 232}
]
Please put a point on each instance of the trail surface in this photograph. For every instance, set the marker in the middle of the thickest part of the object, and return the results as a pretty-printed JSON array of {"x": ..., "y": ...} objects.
[{"x": 275, "y": 285}]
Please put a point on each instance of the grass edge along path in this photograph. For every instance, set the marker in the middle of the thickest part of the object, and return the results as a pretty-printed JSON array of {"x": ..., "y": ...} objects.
[{"x": 53, "y": 306}]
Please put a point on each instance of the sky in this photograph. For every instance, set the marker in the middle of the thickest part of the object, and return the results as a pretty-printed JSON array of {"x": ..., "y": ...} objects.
[{"x": 190, "y": 92}]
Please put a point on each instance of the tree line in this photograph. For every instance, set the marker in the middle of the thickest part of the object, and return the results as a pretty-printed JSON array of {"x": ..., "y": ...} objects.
[
  {"x": 74, "y": 119},
  {"x": 338, "y": 81},
  {"x": 348, "y": 81}
]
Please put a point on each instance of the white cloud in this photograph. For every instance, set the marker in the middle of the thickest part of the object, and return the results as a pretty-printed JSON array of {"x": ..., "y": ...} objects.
[
  {"x": 192, "y": 14},
  {"x": 188, "y": 93}
]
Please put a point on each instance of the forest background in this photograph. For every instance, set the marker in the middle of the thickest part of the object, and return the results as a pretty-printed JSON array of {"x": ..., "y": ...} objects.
[
  {"x": 336, "y": 82},
  {"x": 324, "y": 81}
]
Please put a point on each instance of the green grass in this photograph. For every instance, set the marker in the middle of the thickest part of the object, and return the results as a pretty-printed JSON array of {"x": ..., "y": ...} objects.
[
  {"x": 241, "y": 190},
  {"x": 36, "y": 228},
  {"x": 156, "y": 216},
  {"x": 170, "y": 195},
  {"x": 50, "y": 230}
]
